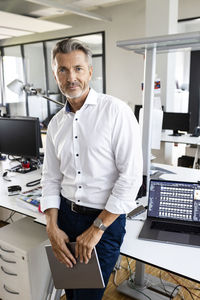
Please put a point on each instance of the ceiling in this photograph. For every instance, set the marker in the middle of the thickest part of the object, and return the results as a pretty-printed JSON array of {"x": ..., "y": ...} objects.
[{"x": 24, "y": 17}]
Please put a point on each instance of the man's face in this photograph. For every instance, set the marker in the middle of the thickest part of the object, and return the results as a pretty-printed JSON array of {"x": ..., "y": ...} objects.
[{"x": 72, "y": 73}]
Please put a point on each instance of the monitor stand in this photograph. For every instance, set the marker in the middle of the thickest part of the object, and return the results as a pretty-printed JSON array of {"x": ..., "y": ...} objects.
[{"x": 176, "y": 133}]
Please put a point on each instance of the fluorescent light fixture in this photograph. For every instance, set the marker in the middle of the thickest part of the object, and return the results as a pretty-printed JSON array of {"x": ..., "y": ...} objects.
[
  {"x": 4, "y": 36},
  {"x": 71, "y": 8},
  {"x": 28, "y": 24},
  {"x": 18, "y": 87},
  {"x": 13, "y": 32}
]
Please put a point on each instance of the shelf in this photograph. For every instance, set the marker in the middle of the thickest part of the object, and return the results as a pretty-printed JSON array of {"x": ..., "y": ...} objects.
[{"x": 166, "y": 43}]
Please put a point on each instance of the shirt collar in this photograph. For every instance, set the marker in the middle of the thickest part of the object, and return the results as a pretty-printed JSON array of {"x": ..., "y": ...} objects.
[{"x": 90, "y": 100}]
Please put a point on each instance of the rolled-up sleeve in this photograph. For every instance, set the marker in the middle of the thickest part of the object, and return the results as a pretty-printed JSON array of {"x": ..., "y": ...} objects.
[
  {"x": 51, "y": 176},
  {"x": 127, "y": 149}
]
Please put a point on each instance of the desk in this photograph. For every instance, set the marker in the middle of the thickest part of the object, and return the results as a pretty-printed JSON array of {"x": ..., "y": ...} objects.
[
  {"x": 183, "y": 139},
  {"x": 165, "y": 256},
  {"x": 181, "y": 260},
  {"x": 11, "y": 202}
]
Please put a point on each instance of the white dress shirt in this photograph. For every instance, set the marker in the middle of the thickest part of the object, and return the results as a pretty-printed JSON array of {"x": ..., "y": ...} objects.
[{"x": 93, "y": 157}]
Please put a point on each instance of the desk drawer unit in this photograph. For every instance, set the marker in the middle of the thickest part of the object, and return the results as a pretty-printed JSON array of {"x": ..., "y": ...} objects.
[
  {"x": 13, "y": 275},
  {"x": 24, "y": 270}
]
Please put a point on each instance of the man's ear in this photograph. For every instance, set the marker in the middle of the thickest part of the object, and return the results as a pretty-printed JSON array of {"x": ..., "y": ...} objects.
[
  {"x": 54, "y": 76},
  {"x": 90, "y": 71},
  {"x": 53, "y": 71}
]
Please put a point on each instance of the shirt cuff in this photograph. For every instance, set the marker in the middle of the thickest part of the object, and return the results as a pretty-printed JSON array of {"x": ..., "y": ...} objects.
[
  {"x": 117, "y": 206},
  {"x": 49, "y": 202}
]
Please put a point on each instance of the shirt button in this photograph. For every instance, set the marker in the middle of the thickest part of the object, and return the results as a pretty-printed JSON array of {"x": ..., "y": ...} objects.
[
  {"x": 78, "y": 200},
  {"x": 79, "y": 172},
  {"x": 80, "y": 187},
  {"x": 77, "y": 154},
  {"x": 76, "y": 137},
  {"x": 76, "y": 119}
]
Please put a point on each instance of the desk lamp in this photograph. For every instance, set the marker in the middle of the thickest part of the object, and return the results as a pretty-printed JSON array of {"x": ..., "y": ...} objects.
[{"x": 17, "y": 86}]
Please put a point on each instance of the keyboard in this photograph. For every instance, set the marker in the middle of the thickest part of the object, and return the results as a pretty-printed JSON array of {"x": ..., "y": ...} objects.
[{"x": 172, "y": 227}]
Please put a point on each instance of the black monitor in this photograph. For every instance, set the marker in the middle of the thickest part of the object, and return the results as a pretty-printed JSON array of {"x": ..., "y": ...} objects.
[
  {"x": 137, "y": 111},
  {"x": 20, "y": 136},
  {"x": 176, "y": 121}
]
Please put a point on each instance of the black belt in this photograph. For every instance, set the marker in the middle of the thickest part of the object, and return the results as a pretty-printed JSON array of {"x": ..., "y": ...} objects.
[{"x": 82, "y": 209}]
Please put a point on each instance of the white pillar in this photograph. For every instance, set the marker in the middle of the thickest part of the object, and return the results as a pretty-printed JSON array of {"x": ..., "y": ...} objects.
[{"x": 161, "y": 19}]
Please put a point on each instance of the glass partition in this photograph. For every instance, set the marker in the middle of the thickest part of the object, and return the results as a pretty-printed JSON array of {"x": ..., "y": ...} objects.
[
  {"x": 35, "y": 72},
  {"x": 13, "y": 69}
]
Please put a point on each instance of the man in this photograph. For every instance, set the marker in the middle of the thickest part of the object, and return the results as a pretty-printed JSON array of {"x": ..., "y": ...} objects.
[{"x": 92, "y": 167}]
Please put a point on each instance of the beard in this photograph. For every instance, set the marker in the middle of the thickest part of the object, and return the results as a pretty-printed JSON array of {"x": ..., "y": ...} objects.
[{"x": 73, "y": 94}]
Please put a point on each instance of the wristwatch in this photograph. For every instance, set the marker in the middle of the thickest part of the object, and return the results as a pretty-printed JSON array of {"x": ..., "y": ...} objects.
[{"x": 99, "y": 224}]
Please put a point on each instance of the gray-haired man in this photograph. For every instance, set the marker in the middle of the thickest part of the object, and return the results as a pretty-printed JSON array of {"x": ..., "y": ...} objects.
[{"x": 92, "y": 167}]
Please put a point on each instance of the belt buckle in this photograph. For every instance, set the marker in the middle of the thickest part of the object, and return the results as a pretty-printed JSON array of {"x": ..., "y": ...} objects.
[{"x": 73, "y": 207}]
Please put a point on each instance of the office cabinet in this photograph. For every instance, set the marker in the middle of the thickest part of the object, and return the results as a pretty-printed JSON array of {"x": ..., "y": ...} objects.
[{"x": 24, "y": 269}]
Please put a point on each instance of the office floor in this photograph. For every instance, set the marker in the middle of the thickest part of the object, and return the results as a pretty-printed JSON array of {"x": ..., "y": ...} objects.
[{"x": 112, "y": 294}]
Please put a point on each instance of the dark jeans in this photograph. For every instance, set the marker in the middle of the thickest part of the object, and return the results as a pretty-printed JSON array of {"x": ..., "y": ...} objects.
[{"x": 108, "y": 248}]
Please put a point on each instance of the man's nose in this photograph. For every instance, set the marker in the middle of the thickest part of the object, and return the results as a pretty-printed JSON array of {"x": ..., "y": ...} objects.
[{"x": 71, "y": 76}]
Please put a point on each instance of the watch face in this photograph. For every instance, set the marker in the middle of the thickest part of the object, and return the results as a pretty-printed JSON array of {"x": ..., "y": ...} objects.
[{"x": 97, "y": 222}]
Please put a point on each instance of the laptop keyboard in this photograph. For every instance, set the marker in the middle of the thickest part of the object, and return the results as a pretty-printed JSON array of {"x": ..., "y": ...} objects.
[{"x": 175, "y": 227}]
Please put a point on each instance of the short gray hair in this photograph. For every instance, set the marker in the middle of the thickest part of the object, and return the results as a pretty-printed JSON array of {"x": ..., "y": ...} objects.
[{"x": 68, "y": 45}]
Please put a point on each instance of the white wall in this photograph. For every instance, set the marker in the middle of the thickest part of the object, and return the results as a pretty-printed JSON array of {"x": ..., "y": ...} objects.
[{"x": 189, "y": 9}]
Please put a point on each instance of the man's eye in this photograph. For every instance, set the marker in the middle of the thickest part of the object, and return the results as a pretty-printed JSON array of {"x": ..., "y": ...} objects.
[
  {"x": 62, "y": 70},
  {"x": 78, "y": 68}
]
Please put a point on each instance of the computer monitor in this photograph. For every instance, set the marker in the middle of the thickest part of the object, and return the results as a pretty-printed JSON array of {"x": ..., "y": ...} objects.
[
  {"x": 20, "y": 136},
  {"x": 137, "y": 111},
  {"x": 176, "y": 121}
]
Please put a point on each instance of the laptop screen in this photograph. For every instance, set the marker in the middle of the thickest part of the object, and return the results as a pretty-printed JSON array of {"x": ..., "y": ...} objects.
[{"x": 174, "y": 200}]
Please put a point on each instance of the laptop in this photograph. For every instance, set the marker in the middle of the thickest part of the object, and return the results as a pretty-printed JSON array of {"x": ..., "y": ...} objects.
[
  {"x": 80, "y": 276},
  {"x": 173, "y": 214}
]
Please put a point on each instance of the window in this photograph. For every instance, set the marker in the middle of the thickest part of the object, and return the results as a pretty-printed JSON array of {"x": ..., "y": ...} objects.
[
  {"x": 13, "y": 69},
  {"x": 35, "y": 72}
]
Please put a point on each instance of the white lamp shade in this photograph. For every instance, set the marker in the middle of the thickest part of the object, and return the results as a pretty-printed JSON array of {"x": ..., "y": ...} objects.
[{"x": 16, "y": 86}]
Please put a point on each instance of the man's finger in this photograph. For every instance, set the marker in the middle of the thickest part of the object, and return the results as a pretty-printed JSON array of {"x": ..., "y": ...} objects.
[
  {"x": 76, "y": 250},
  {"x": 89, "y": 253},
  {"x": 62, "y": 258},
  {"x": 80, "y": 252},
  {"x": 85, "y": 254},
  {"x": 70, "y": 254}
]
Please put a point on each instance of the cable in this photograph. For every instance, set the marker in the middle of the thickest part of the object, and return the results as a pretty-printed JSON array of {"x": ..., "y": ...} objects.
[
  {"x": 10, "y": 217},
  {"x": 129, "y": 268},
  {"x": 171, "y": 296},
  {"x": 33, "y": 183},
  {"x": 183, "y": 286},
  {"x": 14, "y": 158},
  {"x": 165, "y": 285},
  {"x": 5, "y": 176},
  {"x": 118, "y": 268},
  {"x": 160, "y": 277}
]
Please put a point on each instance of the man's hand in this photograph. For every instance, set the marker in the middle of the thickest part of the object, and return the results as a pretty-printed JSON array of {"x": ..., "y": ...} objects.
[
  {"x": 58, "y": 239},
  {"x": 86, "y": 242}
]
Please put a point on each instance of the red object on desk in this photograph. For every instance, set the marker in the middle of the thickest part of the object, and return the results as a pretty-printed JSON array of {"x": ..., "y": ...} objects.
[
  {"x": 26, "y": 164},
  {"x": 39, "y": 209}
]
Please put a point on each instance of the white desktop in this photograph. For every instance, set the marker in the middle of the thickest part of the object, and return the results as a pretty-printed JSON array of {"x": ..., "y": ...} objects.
[{"x": 162, "y": 255}]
